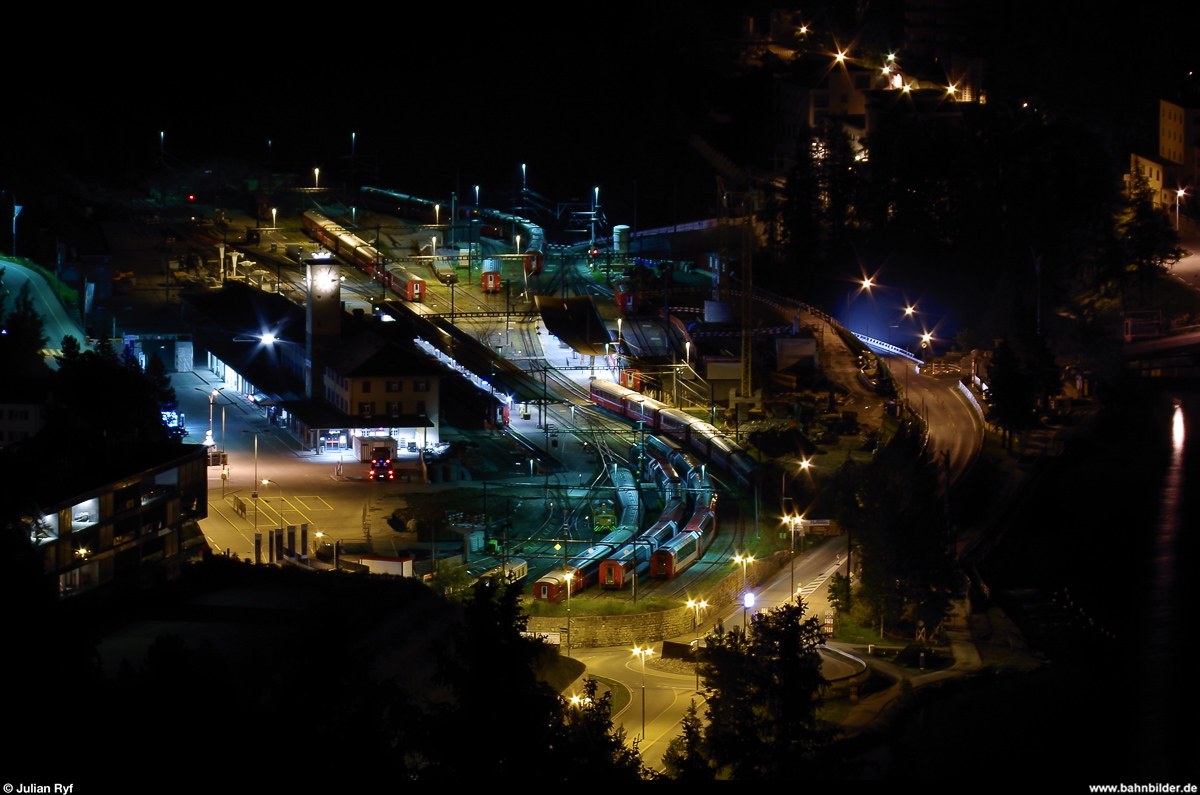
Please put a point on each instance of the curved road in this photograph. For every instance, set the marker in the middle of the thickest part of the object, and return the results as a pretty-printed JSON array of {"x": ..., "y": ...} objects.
[
  {"x": 955, "y": 427},
  {"x": 57, "y": 321}
]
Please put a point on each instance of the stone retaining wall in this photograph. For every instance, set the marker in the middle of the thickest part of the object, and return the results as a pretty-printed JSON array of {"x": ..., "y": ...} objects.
[{"x": 590, "y": 631}]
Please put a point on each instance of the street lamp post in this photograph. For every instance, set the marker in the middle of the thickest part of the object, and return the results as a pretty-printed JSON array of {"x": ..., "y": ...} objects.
[
  {"x": 277, "y": 534},
  {"x": 908, "y": 312},
  {"x": 254, "y": 493},
  {"x": 748, "y": 597},
  {"x": 743, "y": 559},
  {"x": 793, "y": 522},
  {"x": 212, "y": 395},
  {"x": 569, "y": 576},
  {"x": 864, "y": 285},
  {"x": 643, "y": 653},
  {"x": 696, "y": 606},
  {"x": 282, "y": 507}
]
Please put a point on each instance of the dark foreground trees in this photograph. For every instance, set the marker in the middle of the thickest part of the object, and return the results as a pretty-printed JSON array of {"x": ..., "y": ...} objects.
[
  {"x": 895, "y": 512},
  {"x": 764, "y": 687},
  {"x": 316, "y": 680}
]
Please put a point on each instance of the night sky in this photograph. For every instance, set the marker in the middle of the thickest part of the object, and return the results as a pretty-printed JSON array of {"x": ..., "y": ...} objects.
[
  {"x": 600, "y": 95},
  {"x": 454, "y": 96}
]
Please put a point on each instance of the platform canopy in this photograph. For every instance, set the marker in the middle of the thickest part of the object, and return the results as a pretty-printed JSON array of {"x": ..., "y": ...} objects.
[{"x": 576, "y": 322}]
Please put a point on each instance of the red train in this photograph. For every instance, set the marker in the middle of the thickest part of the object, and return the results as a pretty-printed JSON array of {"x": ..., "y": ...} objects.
[
  {"x": 688, "y": 430},
  {"x": 674, "y": 556},
  {"x": 364, "y": 256},
  {"x": 625, "y": 295},
  {"x": 490, "y": 278},
  {"x": 494, "y": 224},
  {"x": 533, "y": 262},
  {"x": 552, "y": 586},
  {"x": 617, "y": 571}
]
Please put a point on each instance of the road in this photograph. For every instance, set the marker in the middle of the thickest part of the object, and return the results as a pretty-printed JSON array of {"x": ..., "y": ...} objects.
[
  {"x": 57, "y": 321},
  {"x": 667, "y": 695},
  {"x": 310, "y": 488},
  {"x": 955, "y": 426},
  {"x": 312, "y": 492}
]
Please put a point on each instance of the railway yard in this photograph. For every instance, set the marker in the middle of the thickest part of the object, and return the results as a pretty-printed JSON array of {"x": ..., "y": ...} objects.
[{"x": 567, "y": 440}]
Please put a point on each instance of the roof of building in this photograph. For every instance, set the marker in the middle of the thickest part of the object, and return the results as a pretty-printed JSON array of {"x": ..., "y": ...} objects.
[
  {"x": 229, "y": 321},
  {"x": 367, "y": 354}
]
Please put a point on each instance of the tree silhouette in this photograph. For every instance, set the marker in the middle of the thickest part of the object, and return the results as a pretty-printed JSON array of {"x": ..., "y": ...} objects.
[
  {"x": 764, "y": 687},
  {"x": 22, "y": 337},
  {"x": 1149, "y": 244},
  {"x": 684, "y": 759}
]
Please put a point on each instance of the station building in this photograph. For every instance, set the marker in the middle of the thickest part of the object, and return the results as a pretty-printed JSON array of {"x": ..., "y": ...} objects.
[{"x": 338, "y": 382}]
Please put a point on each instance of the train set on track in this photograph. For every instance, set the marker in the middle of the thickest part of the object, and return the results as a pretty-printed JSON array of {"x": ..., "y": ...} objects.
[
  {"x": 674, "y": 443},
  {"x": 667, "y": 548},
  {"x": 689, "y": 431}
]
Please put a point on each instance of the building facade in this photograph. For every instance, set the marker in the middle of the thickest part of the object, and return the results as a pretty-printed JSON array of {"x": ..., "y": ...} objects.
[{"x": 130, "y": 533}]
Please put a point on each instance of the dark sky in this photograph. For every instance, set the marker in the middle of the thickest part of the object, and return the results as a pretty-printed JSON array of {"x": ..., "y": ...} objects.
[
  {"x": 434, "y": 97},
  {"x": 455, "y": 95}
]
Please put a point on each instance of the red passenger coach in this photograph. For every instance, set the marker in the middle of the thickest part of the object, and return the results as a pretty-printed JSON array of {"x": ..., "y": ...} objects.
[
  {"x": 640, "y": 408},
  {"x": 407, "y": 286},
  {"x": 552, "y": 587},
  {"x": 690, "y": 431},
  {"x": 674, "y": 556},
  {"x": 491, "y": 276},
  {"x": 618, "y": 571},
  {"x": 533, "y": 263},
  {"x": 625, "y": 295},
  {"x": 609, "y": 395}
]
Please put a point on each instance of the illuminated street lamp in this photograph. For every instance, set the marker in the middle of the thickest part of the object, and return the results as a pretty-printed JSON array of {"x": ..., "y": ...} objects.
[
  {"x": 743, "y": 559},
  {"x": 864, "y": 285},
  {"x": 1179, "y": 194},
  {"x": 337, "y": 549},
  {"x": 265, "y": 481},
  {"x": 696, "y": 607},
  {"x": 643, "y": 653},
  {"x": 570, "y": 575},
  {"x": 254, "y": 494},
  {"x": 747, "y": 605},
  {"x": 792, "y": 523},
  {"x": 208, "y": 437},
  {"x": 316, "y": 177},
  {"x": 908, "y": 312}
]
